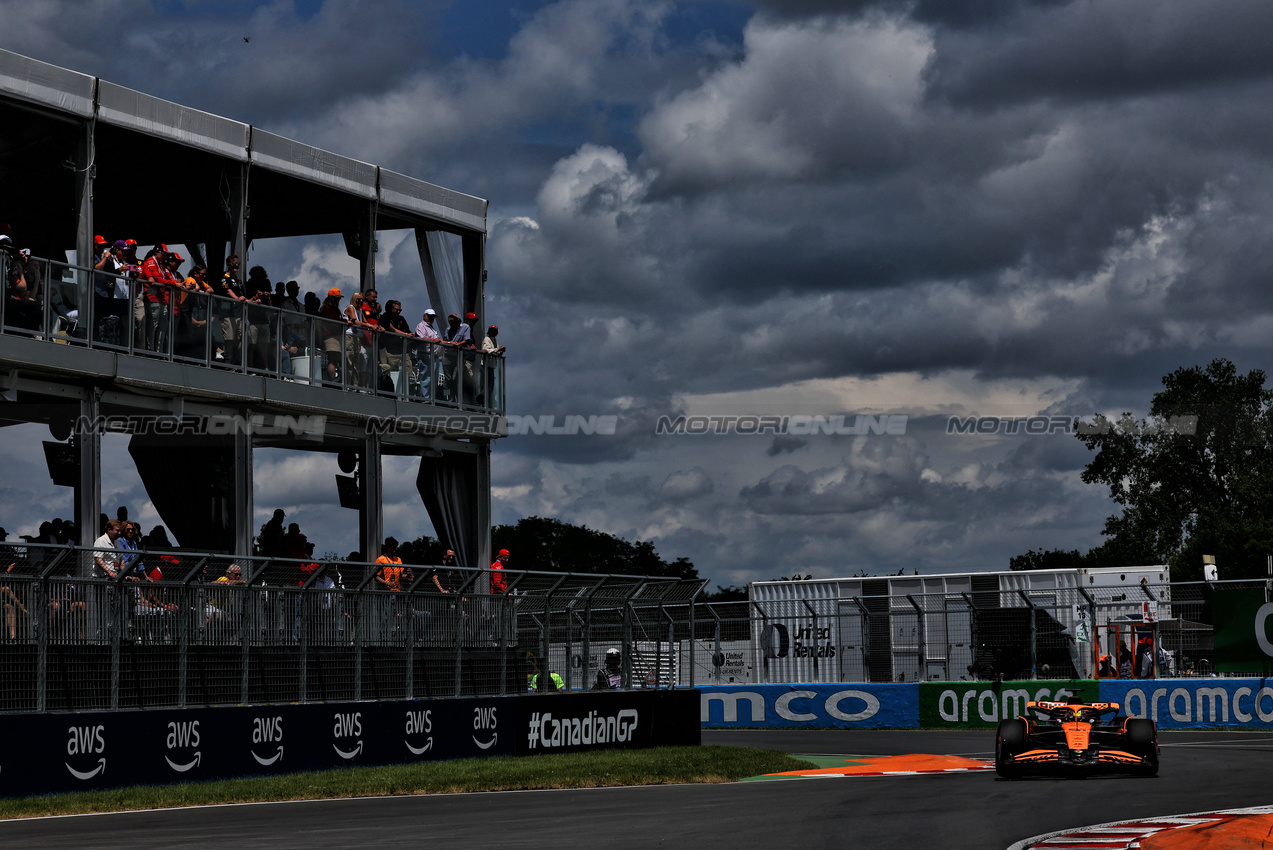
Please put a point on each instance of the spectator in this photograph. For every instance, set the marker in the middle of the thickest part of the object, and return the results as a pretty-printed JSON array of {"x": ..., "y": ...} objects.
[
  {"x": 272, "y": 536},
  {"x": 458, "y": 333},
  {"x": 294, "y": 543},
  {"x": 261, "y": 343},
  {"x": 22, "y": 311},
  {"x": 371, "y": 306},
  {"x": 233, "y": 575},
  {"x": 158, "y": 294},
  {"x": 554, "y": 683},
  {"x": 446, "y": 581},
  {"x": 498, "y": 583},
  {"x": 157, "y": 539},
  {"x": 231, "y": 289},
  {"x": 31, "y": 273},
  {"x": 190, "y": 338},
  {"x": 357, "y": 315},
  {"x": 610, "y": 677},
  {"x": 428, "y": 353},
  {"x": 11, "y": 595},
  {"x": 333, "y": 333},
  {"x": 291, "y": 300},
  {"x": 107, "y": 565},
  {"x": 312, "y": 304},
  {"x": 389, "y": 576},
  {"x": 392, "y": 349},
  {"x": 489, "y": 343}
]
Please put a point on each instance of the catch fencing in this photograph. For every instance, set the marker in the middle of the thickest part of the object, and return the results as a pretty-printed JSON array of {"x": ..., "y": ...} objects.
[
  {"x": 176, "y": 629},
  {"x": 1059, "y": 633}
]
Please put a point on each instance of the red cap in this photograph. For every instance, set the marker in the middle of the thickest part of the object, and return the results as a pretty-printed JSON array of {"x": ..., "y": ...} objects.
[
  {"x": 470, "y": 315},
  {"x": 503, "y": 553},
  {"x": 99, "y": 240}
]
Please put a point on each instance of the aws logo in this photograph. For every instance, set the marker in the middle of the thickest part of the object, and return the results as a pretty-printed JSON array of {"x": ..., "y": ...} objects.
[
  {"x": 87, "y": 741},
  {"x": 348, "y": 726},
  {"x": 484, "y": 720},
  {"x": 183, "y": 735},
  {"x": 419, "y": 723},
  {"x": 267, "y": 730}
]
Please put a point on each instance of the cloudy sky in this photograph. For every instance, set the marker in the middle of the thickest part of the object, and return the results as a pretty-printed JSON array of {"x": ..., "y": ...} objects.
[{"x": 919, "y": 208}]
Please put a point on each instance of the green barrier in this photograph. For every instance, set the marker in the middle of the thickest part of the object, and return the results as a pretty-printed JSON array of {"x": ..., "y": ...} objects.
[{"x": 981, "y": 705}]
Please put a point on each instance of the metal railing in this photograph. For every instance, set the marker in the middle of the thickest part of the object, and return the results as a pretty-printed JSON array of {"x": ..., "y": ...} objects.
[
  {"x": 1054, "y": 633},
  {"x": 171, "y": 629},
  {"x": 74, "y": 638},
  {"x": 98, "y": 310}
]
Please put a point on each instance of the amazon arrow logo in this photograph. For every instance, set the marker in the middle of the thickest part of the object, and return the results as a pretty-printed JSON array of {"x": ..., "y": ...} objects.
[
  {"x": 427, "y": 746},
  {"x": 271, "y": 759},
  {"x": 182, "y": 768},
  {"x": 348, "y": 755},
  {"x": 101, "y": 768},
  {"x": 488, "y": 744}
]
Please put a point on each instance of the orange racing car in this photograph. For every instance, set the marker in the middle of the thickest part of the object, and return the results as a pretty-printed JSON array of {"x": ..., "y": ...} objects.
[{"x": 1075, "y": 738}]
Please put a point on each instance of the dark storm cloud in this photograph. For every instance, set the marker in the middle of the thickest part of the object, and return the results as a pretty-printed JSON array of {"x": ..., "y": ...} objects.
[
  {"x": 1093, "y": 51},
  {"x": 953, "y": 13},
  {"x": 783, "y": 444}
]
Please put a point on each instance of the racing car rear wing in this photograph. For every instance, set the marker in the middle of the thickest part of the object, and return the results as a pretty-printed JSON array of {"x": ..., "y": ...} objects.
[{"x": 1059, "y": 706}]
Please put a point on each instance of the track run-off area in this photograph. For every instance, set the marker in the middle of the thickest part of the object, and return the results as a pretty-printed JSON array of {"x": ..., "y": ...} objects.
[{"x": 872, "y": 788}]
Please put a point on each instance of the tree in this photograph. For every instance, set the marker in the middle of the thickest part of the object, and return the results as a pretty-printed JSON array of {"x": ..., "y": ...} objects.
[
  {"x": 549, "y": 545},
  {"x": 1052, "y": 559},
  {"x": 1193, "y": 478}
]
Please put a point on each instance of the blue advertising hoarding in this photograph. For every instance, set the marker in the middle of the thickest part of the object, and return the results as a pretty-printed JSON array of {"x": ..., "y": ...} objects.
[
  {"x": 1195, "y": 703},
  {"x": 834, "y": 706}
]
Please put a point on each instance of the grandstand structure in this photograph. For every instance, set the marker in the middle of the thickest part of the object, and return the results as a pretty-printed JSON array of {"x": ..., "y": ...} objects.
[{"x": 81, "y": 156}]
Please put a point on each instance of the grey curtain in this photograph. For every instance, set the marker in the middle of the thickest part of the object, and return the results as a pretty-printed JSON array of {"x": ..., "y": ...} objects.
[
  {"x": 441, "y": 257},
  {"x": 448, "y": 486}
]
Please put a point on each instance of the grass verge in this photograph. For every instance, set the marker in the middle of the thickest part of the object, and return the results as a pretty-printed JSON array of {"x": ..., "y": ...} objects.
[{"x": 656, "y": 766}]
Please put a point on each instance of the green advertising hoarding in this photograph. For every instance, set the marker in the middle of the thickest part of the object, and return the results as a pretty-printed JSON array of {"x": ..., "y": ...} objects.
[
  {"x": 1243, "y": 629},
  {"x": 981, "y": 705}
]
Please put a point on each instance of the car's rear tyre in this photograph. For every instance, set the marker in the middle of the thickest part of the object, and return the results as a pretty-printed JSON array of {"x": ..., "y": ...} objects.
[
  {"x": 1009, "y": 739},
  {"x": 1142, "y": 740},
  {"x": 1140, "y": 733}
]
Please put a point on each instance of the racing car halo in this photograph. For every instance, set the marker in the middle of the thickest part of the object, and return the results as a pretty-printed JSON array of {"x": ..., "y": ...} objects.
[{"x": 1075, "y": 738}]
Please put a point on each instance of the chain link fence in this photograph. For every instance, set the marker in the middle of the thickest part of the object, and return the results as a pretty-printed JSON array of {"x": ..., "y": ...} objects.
[
  {"x": 1142, "y": 631},
  {"x": 90, "y": 629},
  {"x": 86, "y": 629}
]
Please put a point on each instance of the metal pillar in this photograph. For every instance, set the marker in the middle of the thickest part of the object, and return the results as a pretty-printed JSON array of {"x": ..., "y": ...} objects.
[
  {"x": 243, "y": 521},
  {"x": 238, "y": 213},
  {"x": 85, "y": 172},
  {"x": 88, "y": 487},
  {"x": 922, "y": 671},
  {"x": 371, "y": 514},
  {"x": 369, "y": 246},
  {"x": 1034, "y": 629},
  {"x": 474, "y": 259},
  {"x": 483, "y": 506}
]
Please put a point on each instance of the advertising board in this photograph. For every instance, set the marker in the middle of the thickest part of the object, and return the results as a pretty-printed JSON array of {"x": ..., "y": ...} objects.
[
  {"x": 1195, "y": 703},
  {"x": 825, "y": 706},
  {"x": 981, "y": 705}
]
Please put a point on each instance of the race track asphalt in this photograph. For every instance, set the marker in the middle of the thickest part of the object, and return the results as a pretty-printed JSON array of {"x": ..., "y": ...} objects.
[{"x": 1200, "y": 771}]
